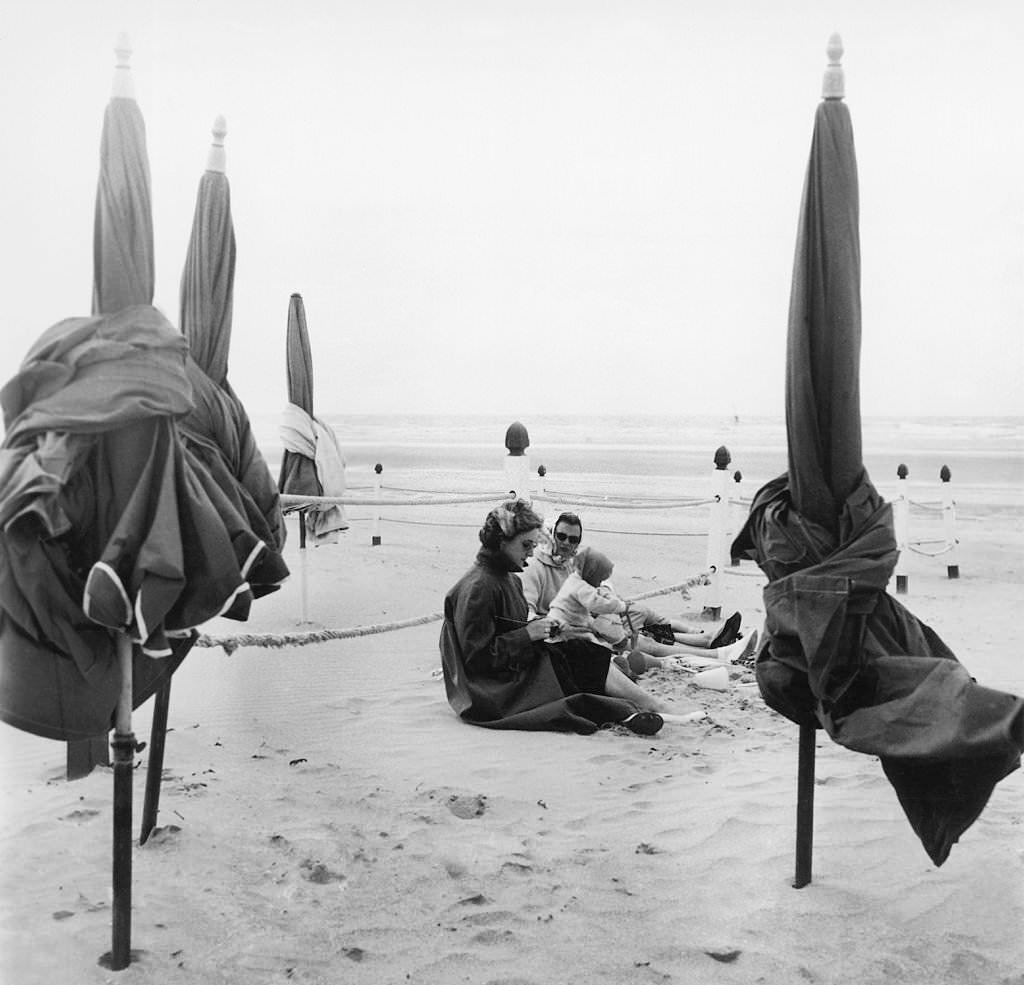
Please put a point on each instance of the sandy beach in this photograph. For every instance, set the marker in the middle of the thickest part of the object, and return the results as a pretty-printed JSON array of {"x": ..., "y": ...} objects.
[{"x": 325, "y": 818}]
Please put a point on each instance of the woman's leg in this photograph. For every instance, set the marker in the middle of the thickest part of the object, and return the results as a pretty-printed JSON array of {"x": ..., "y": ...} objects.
[
  {"x": 727, "y": 654},
  {"x": 618, "y": 685}
]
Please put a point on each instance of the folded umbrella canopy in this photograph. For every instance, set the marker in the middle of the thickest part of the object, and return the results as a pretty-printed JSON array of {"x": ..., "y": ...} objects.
[
  {"x": 841, "y": 653},
  {"x": 312, "y": 464},
  {"x": 123, "y": 226},
  {"x": 109, "y": 523},
  {"x": 218, "y": 430}
]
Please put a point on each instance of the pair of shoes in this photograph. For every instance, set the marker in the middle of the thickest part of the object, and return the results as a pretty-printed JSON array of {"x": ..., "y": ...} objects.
[
  {"x": 729, "y": 633},
  {"x": 644, "y": 722}
]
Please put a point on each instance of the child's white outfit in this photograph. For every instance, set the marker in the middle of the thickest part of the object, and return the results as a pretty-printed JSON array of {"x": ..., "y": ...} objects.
[{"x": 580, "y": 605}]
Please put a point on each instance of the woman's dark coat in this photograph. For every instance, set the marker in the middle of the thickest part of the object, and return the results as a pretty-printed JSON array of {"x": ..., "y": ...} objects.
[{"x": 494, "y": 674}]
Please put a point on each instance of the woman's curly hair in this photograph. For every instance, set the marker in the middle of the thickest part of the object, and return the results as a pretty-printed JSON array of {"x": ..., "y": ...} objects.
[{"x": 506, "y": 521}]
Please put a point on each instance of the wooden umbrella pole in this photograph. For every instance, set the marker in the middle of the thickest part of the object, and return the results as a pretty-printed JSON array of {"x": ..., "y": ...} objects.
[{"x": 124, "y": 756}]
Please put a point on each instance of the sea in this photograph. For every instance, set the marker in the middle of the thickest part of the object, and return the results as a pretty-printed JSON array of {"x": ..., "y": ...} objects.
[{"x": 620, "y": 453}]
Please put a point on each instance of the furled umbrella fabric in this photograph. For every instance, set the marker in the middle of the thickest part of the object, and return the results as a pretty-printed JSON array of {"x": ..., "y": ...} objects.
[
  {"x": 840, "y": 652},
  {"x": 123, "y": 261},
  {"x": 217, "y": 430},
  {"x": 312, "y": 464},
  {"x": 108, "y": 523}
]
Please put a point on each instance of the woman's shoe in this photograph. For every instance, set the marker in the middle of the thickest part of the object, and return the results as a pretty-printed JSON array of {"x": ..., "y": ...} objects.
[
  {"x": 729, "y": 633},
  {"x": 644, "y": 722}
]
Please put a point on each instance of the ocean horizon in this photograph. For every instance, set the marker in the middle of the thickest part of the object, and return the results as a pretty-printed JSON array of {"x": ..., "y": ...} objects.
[{"x": 984, "y": 454}]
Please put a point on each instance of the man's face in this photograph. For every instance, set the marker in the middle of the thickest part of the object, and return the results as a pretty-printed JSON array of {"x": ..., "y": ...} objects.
[{"x": 567, "y": 538}]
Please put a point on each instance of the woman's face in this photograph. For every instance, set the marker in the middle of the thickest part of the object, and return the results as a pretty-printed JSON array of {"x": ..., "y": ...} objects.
[{"x": 519, "y": 549}]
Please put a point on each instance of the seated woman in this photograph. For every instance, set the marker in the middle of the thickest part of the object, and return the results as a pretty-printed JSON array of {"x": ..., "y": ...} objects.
[{"x": 502, "y": 671}]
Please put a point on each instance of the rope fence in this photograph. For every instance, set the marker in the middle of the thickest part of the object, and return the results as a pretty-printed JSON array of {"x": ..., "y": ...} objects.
[
  {"x": 721, "y": 511},
  {"x": 231, "y": 643}
]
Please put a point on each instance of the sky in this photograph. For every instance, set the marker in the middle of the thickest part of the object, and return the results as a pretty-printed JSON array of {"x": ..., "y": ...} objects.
[{"x": 539, "y": 206}]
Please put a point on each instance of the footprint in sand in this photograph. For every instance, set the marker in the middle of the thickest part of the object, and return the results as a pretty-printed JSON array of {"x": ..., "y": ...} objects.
[
  {"x": 82, "y": 814},
  {"x": 165, "y": 834},
  {"x": 467, "y": 805},
  {"x": 319, "y": 873}
]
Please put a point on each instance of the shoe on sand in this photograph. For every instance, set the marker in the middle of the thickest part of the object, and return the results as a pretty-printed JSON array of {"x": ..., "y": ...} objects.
[
  {"x": 731, "y": 653},
  {"x": 750, "y": 647},
  {"x": 644, "y": 722},
  {"x": 729, "y": 633}
]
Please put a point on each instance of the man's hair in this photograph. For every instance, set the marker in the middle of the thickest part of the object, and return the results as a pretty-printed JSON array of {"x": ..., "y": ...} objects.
[{"x": 506, "y": 521}]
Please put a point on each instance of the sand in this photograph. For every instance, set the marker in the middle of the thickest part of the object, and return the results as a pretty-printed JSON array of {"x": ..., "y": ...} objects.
[{"x": 325, "y": 818}]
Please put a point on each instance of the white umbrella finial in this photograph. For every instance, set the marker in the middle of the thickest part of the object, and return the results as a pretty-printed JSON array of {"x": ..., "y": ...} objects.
[
  {"x": 833, "y": 85},
  {"x": 124, "y": 81},
  {"x": 216, "y": 160}
]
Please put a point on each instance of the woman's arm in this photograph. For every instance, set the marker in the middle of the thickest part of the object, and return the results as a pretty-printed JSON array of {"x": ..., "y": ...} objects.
[
  {"x": 490, "y": 640},
  {"x": 600, "y": 600}
]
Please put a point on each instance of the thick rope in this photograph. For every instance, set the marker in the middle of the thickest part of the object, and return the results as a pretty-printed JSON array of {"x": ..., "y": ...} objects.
[
  {"x": 231, "y": 643},
  {"x": 623, "y": 504},
  {"x": 290, "y": 502}
]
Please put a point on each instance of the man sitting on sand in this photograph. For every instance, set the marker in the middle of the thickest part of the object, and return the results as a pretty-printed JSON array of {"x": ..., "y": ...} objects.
[{"x": 551, "y": 565}]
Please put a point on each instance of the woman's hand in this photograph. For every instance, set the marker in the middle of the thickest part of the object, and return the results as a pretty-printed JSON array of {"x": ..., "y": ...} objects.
[{"x": 541, "y": 629}]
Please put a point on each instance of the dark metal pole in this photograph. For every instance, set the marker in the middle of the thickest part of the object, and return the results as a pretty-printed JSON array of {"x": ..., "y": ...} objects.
[
  {"x": 804, "y": 807},
  {"x": 155, "y": 767},
  {"x": 123, "y": 745}
]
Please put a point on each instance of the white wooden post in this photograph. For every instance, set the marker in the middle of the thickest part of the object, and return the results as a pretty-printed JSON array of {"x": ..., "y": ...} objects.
[
  {"x": 375, "y": 536},
  {"x": 737, "y": 478},
  {"x": 717, "y": 521},
  {"x": 901, "y": 521},
  {"x": 949, "y": 523},
  {"x": 517, "y": 461}
]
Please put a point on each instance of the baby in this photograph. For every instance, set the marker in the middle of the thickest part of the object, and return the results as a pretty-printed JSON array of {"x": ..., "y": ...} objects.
[{"x": 584, "y": 607}]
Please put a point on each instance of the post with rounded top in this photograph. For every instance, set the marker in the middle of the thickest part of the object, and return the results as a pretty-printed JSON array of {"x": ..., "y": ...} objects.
[
  {"x": 900, "y": 521},
  {"x": 517, "y": 462},
  {"x": 377, "y": 482},
  {"x": 949, "y": 523},
  {"x": 737, "y": 478},
  {"x": 717, "y": 523}
]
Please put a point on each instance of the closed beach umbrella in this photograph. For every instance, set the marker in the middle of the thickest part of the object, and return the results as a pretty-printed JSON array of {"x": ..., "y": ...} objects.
[
  {"x": 298, "y": 471},
  {"x": 218, "y": 431},
  {"x": 841, "y": 653},
  {"x": 312, "y": 463},
  {"x": 208, "y": 281},
  {"x": 123, "y": 227}
]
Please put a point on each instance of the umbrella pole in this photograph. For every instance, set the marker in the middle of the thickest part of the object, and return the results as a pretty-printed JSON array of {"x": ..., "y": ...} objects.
[
  {"x": 804, "y": 807},
  {"x": 303, "y": 573},
  {"x": 123, "y": 745},
  {"x": 155, "y": 767}
]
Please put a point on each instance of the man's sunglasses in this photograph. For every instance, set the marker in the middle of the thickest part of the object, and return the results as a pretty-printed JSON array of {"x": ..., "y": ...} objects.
[{"x": 566, "y": 538}]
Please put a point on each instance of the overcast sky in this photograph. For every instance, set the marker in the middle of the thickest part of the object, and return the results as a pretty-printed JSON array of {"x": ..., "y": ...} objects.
[{"x": 537, "y": 207}]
